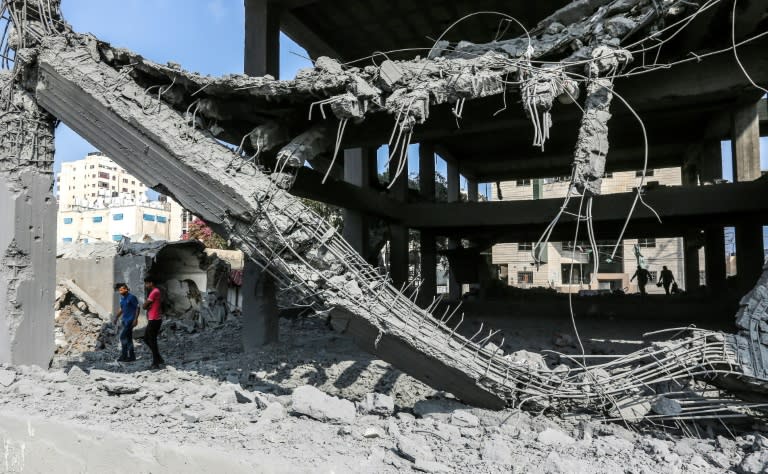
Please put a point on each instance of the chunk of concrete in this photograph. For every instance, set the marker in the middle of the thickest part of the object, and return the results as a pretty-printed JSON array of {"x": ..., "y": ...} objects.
[
  {"x": 666, "y": 406},
  {"x": 498, "y": 451},
  {"x": 273, "y": 412},
  {"x": 77, "y": 377},
  {"x": 439, "y": 409},
  {"x": 7, "y": 377},
  {"x": 552, "y": 437},
  {"x": 376, "y": 404},
  {"x": 119, "y": 386},
  {"x": 414, "y": 449},
  {"x": 309, "y": 401},
  {"x": 464, "y": 419}
]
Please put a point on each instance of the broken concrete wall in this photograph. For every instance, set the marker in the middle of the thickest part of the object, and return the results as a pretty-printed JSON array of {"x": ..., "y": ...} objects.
[
  {"x": 27, "y": 229},
  {"x": 96, "y": 277}
]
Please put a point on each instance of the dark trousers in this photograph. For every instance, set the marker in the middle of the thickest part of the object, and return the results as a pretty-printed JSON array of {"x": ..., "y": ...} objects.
[
  {"x": 667, "y": 285},
  {"x": 641, "y": 285},
  {"x": 150, "y": 337},
  {"x": 126, "y": 341}
]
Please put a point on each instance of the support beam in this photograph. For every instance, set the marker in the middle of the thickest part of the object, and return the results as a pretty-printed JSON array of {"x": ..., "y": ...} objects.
[
  {"x": 427, "y": 243},
  {"x": 691, "y": 261},
  {"x": 745, "y": 142},
  {"x": 714, "y": 258},
  {"x": 750, "y": 254},
  {"x": 454, "y": 288},
  {"x": 710, "y": 162},
  {"x": 427, "y": 171},
  {"x": 472, "y": 190},
  {"x": 262, "y": 38},
  {"x": 398, "y": 243},
  {"x": 260, "y": 313},
  {"x": 357, "y": 164}
]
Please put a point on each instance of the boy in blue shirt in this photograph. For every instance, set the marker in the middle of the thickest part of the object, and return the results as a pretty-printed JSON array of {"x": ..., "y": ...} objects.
[{"x": 129, "y": 310}]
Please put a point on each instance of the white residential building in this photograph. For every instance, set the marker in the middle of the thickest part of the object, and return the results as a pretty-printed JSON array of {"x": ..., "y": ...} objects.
[
  {"x": 567, "y": 269},
  {"x": 100, "y": 201}
]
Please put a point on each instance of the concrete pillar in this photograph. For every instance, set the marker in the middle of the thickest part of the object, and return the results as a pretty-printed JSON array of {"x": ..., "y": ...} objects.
[
  {"x": 427, "y": 171},
  {"x": 260, "y": 314},
  {"x": 398, "y": 243},
  {"x": 749, "y": 255},
  {"x": 357, "y": 164},
  {"x": 262, "y": 38},
  {"x": 261, "y": 57},
  {"x": 745, "y": 142},
  {"x": 691, "y": 261},
  {"x": 745, "y": 148},
  {"x": 472, "y": 190},
  {"x": 710, "y": 162},
  {"x": 27, "y": 232},
  {"x": 454, "y": 289},
  {"x": 427, "y": 244},
  {"x": 714, "y": 258}
]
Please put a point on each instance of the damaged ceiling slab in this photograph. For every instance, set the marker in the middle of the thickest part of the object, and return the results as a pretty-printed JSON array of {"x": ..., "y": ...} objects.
[{"x": 161, "y": 124}]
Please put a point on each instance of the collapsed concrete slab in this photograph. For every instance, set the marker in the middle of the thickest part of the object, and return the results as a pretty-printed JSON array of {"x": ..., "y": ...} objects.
[
  {"x": 164, "y": 146},
  {"x": 28, "y": 217}
]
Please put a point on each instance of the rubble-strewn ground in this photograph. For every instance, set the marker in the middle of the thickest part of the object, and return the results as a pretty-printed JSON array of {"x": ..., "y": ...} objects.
[{"x": 215, "y": 408}]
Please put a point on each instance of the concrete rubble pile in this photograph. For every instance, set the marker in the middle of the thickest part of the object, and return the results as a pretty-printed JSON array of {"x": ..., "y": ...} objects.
[
  {"x": 218, "y": 409},
  {"x": 160, "y": 124}
]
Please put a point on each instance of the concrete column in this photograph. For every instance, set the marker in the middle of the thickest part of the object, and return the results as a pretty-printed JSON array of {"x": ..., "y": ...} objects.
[
  {"x": 357, "y": 164},
  {"x": 714, "y": 258},
  {"x": 689, "y": 175},
  {"x": 749, "y": 255},
  {"x": 398, "y": 243},
  {"x": 472, "y": 190},
  {"x": 260, "y": 314},
  {"x": 691, "y": 261},
  {"x": 427, "y": 171},
  {"x": 427, "y": 244},
  {"x": 745, "y": 142},
  {"x": 27, "y": 233},
  {"x": 454, "y": 289},
  {"x": 745, "y": 148},
  {"x": 262, "y": 38},
  {"x": 711, "y": 162}
]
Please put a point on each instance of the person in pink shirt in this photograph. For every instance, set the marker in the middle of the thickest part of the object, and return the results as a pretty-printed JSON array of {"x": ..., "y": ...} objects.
[{"x": 154, "y": 320}]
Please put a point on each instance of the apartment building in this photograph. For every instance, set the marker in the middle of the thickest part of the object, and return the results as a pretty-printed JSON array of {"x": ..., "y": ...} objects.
[
  {"x": 100, "y": 201},
  {"x": 567, "y": 267}
]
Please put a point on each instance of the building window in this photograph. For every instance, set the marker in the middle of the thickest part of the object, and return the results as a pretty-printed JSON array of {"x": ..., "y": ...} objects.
[
  {"x": 85, "y": 241},
  {"x": 102, "y": 184},
  {"x": 96, "y": 219},
  {"x": 578, "y": 274},
  {"x": 117, "y": 237},
  {"x": 638, "y": 174},
  {"x": 608, "y": 175},
  {"x": 161, "y": 219},
  {"x": 67, "y": 220},
  {"x": 125, "y": 180},
  {"x": 66, "y": 239},
  {"x": 525, "y": 277},
  {"x": 525, "y": 246},
  {"x": 125, "y": 190},
  {"x": 149, "y": 217},
  {"x": 523, "y": 182},
  {"x": 653, "y": 275},
  {"x": 647, "y": 243},
  {"x": 103, "y": 175},
  {"x": 117, "y": 217}
]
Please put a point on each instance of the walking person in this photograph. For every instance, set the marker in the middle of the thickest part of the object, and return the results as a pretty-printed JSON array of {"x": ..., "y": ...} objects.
[
  {"x": 154, "y": 320},
  {"x": 643, "y": 276},
  {"x": 129, "y": 310},
  {"x": 666, "y": 278}
]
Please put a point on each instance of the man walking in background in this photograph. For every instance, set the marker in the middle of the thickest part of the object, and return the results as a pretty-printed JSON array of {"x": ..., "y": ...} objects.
[
  {"x": 643, "y": 276},
  {"x": 154, "y": 320},
  {"x": 666, "y": 278},
  {"x": 129, "y": 310}
]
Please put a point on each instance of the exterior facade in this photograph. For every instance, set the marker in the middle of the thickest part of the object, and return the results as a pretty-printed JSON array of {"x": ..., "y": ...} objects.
[
  {"x": 100, "y": 201},
  {"x": 83, "y": 182},
  {"x": 568, "y": 268},
  {"x": 114, "y": 222}
]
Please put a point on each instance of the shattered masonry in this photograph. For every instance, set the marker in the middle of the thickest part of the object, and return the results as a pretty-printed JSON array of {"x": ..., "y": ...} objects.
[{"x": 143, "y": 116}]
